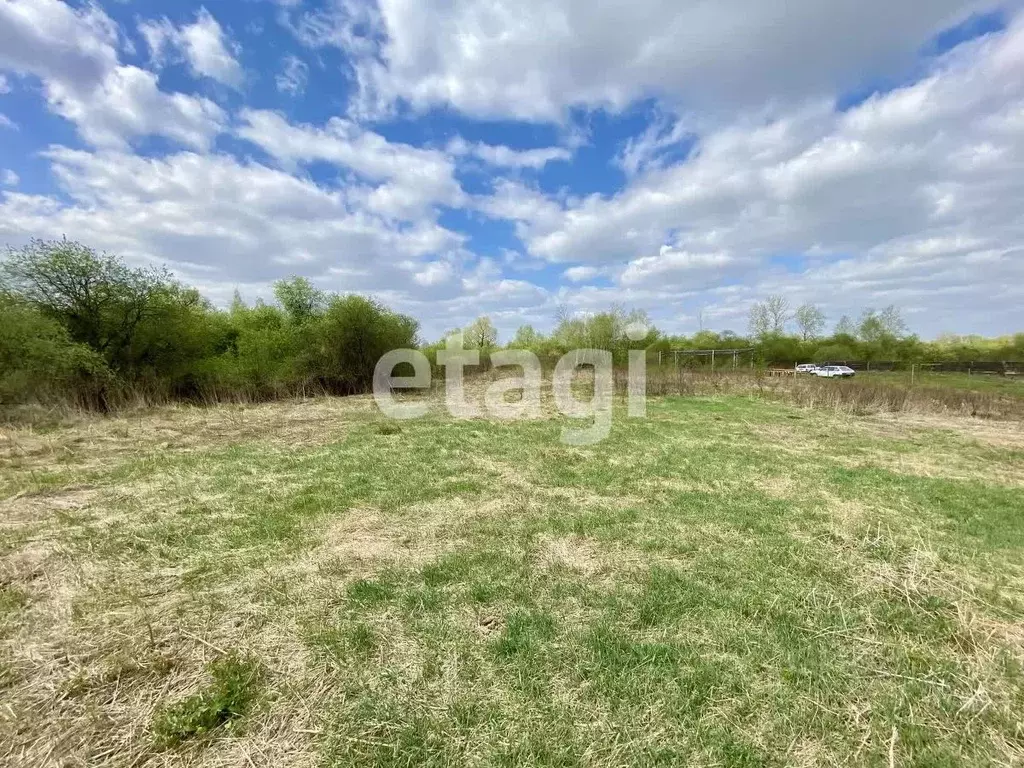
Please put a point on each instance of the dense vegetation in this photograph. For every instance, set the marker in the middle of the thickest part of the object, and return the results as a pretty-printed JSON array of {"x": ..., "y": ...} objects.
[
  {"x": 85, "y": 328},
  {"x": 75, "y": 325}
]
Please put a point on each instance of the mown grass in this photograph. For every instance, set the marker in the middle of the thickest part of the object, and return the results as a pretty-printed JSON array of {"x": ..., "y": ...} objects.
[{"x": 730, "y": 581}]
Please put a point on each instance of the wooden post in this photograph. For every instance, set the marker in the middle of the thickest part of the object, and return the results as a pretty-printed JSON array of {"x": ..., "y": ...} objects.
[{"x": 712, "y": 361}]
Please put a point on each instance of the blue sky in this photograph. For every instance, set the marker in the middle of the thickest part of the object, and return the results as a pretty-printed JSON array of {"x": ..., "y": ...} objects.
[{"x": 522, "y": 158}]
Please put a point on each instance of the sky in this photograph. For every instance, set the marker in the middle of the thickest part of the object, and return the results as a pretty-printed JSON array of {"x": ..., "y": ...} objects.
[{"x": 522, "y": 158}]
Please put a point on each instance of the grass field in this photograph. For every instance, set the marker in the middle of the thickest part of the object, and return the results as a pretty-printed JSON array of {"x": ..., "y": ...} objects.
[
  {"x": 978, "y": 382},
  {"x": 727, "y": 582}
]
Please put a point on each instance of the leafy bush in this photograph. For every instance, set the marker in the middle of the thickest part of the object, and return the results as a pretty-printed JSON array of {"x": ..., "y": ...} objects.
[{"x": 38, "y": 362}]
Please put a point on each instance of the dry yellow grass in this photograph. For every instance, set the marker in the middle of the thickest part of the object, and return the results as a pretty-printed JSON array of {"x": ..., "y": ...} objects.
[{"x": 725, "y": 579}]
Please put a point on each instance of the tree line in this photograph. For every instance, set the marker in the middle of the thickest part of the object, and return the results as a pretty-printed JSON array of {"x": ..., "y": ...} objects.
[
  {"x": 86, "y": 328},
  {"x": 82, "y": 327}
]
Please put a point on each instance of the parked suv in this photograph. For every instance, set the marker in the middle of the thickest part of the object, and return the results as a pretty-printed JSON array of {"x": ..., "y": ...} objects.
[
  {"x": 833, "y": 371},
  {"x": 806, "y": 368}
]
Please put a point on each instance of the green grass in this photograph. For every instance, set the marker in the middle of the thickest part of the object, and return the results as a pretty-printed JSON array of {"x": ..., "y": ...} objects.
[
  {"x": 728, "y": 582},
  {"x": 977, "y": 382}
]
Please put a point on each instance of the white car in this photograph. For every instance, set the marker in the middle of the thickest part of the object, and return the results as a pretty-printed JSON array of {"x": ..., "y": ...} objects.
[
  {"x": 833, "y": 371},
  {"x": 806, "y": 368}
]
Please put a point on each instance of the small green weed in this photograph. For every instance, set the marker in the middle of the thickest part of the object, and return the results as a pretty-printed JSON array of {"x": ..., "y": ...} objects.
[{"x": 235, "y": 684}]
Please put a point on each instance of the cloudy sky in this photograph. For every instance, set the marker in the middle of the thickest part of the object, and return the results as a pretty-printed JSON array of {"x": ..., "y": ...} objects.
[{"x": 511, "y": 157}]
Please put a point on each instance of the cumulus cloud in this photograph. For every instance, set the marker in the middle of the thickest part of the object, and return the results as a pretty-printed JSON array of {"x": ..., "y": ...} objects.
[
  {"x": 902, "y": 198},
  {"x": 581, "y": 274},
  {"x": 202, "y": 44},
  {"x": 73, "y": 52},
  {"x": 9, "y": 178},
  {"x": 219, "y": 219},
  {"x": 410, "y": 179},
  {"x": 760, "y": 186},
  {"x": 51, "y": 40},
  {"x": 5, "y": 86},
  {"x": 534, "y": 59}
]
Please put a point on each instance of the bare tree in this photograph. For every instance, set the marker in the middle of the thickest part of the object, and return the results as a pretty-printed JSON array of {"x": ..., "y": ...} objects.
[
  {"x": 845, "y": 327},
  {"x": 777, "y": 308},
  {"x": 810, "y": 320},
  {"x": 769, "y": 316},
  {"x": 758, "y": 320}
]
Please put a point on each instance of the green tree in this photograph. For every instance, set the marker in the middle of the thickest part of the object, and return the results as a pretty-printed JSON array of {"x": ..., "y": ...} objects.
[
  {"x": 98, "y": 300},
  {"x": 876, "y": 326},
  {"x": 845, "y": 327},
  {"x": 481, "y": 334},
  {"x": 526, "y": 337},
  {"x": 299, "y": 299},
  {"x": 351, "y": 336}
]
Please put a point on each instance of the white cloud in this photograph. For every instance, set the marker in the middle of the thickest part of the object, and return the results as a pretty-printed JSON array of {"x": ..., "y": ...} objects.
[
  {"x": 434, "y": 273},
  {"x": 74, "y": 53},
  {"x": 55, "y": 42},
  {"x": 6, "y": 122},
  {"x": 203, "y": 44},
  {"x": 219, "y": 219},
  {"x": 9, "y": 178},
  {"x": 411, "y": 179},
  {"x": 910, "y": 196},
  {"x": 5, "y": 86},
  {"x": 292, "y": 78},
  {"x": 220, "y": 223},
  {"x": 345, "y": 24},
  {"x": 128, "y": 103},
  {"x": 581, "y": 274},
  {"x": 501, "y": 156},
  {"x": 674, "y": 266},
  {"x": 534, "y": 59}
]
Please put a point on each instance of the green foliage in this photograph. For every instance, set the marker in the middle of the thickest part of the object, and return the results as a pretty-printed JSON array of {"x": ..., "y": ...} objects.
[
  {"x": 481, "y": 334},
  {"x": 83, "y": 327},
  {"x": 98, "y": 300},
  {"x": 78, "y": 327},
  {"x": 604, "y": 330},
  {"x": 37, "y": 359},
  {"x": 299, "y": 299},
  {"x": 235, "y": 683},
  {"x": 353, "y": 334}
]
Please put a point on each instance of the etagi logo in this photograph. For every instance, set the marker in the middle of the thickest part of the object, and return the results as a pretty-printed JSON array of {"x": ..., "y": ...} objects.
[{"x": 455, "y": 358}]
